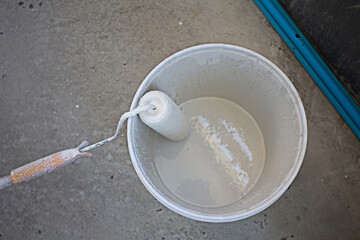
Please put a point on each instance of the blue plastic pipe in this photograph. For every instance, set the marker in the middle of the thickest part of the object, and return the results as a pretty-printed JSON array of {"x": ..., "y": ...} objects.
[{"x": 312, "y": 62}]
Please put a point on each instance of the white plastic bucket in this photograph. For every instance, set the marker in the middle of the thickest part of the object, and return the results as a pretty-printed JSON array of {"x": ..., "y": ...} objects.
[{"x": 247, "y": 79}]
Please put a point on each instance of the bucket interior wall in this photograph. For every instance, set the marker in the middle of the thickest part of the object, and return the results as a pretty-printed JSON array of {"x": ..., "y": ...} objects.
[{"x": 249, "y": 81}]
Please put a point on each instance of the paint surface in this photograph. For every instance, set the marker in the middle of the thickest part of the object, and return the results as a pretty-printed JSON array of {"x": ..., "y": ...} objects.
[{"x": 220, "y": 161}]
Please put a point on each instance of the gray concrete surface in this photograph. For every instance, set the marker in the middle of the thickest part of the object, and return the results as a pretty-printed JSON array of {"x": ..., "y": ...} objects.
[{"x": 69, "y": 69}]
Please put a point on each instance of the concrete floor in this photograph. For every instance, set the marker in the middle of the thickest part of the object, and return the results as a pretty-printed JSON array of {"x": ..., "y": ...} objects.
[{"x": 69, "y": 69}]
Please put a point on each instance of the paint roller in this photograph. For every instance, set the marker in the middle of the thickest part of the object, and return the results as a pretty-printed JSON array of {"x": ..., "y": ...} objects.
[
  {"x": 156, "y": 109},
  {"x": 166, "y": 117}
]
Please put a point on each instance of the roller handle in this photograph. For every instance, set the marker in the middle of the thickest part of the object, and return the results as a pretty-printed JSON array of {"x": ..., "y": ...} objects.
[{"x": 43, "y": 166}]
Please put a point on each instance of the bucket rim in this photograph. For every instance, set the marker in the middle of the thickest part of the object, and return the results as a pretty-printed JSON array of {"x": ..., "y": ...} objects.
[{"x": 268, "y": 201}]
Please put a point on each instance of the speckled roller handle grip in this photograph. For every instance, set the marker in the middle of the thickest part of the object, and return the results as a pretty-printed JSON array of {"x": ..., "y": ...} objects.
[{"x": 46, "y": 164}]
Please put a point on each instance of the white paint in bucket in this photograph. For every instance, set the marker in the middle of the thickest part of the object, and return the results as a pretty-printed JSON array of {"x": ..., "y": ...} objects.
[
  {"x": 250, "y": 82},
  {"x": 220, "y": 161}
]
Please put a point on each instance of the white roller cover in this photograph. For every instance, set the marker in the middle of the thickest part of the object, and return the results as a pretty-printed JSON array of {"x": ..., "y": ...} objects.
[{"x": 167, "y": 118}]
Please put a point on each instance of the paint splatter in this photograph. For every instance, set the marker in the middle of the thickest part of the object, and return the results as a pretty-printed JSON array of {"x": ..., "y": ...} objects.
[
  {"x": 223, "y": 155},
  {"x": 239, "y": 138}
]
